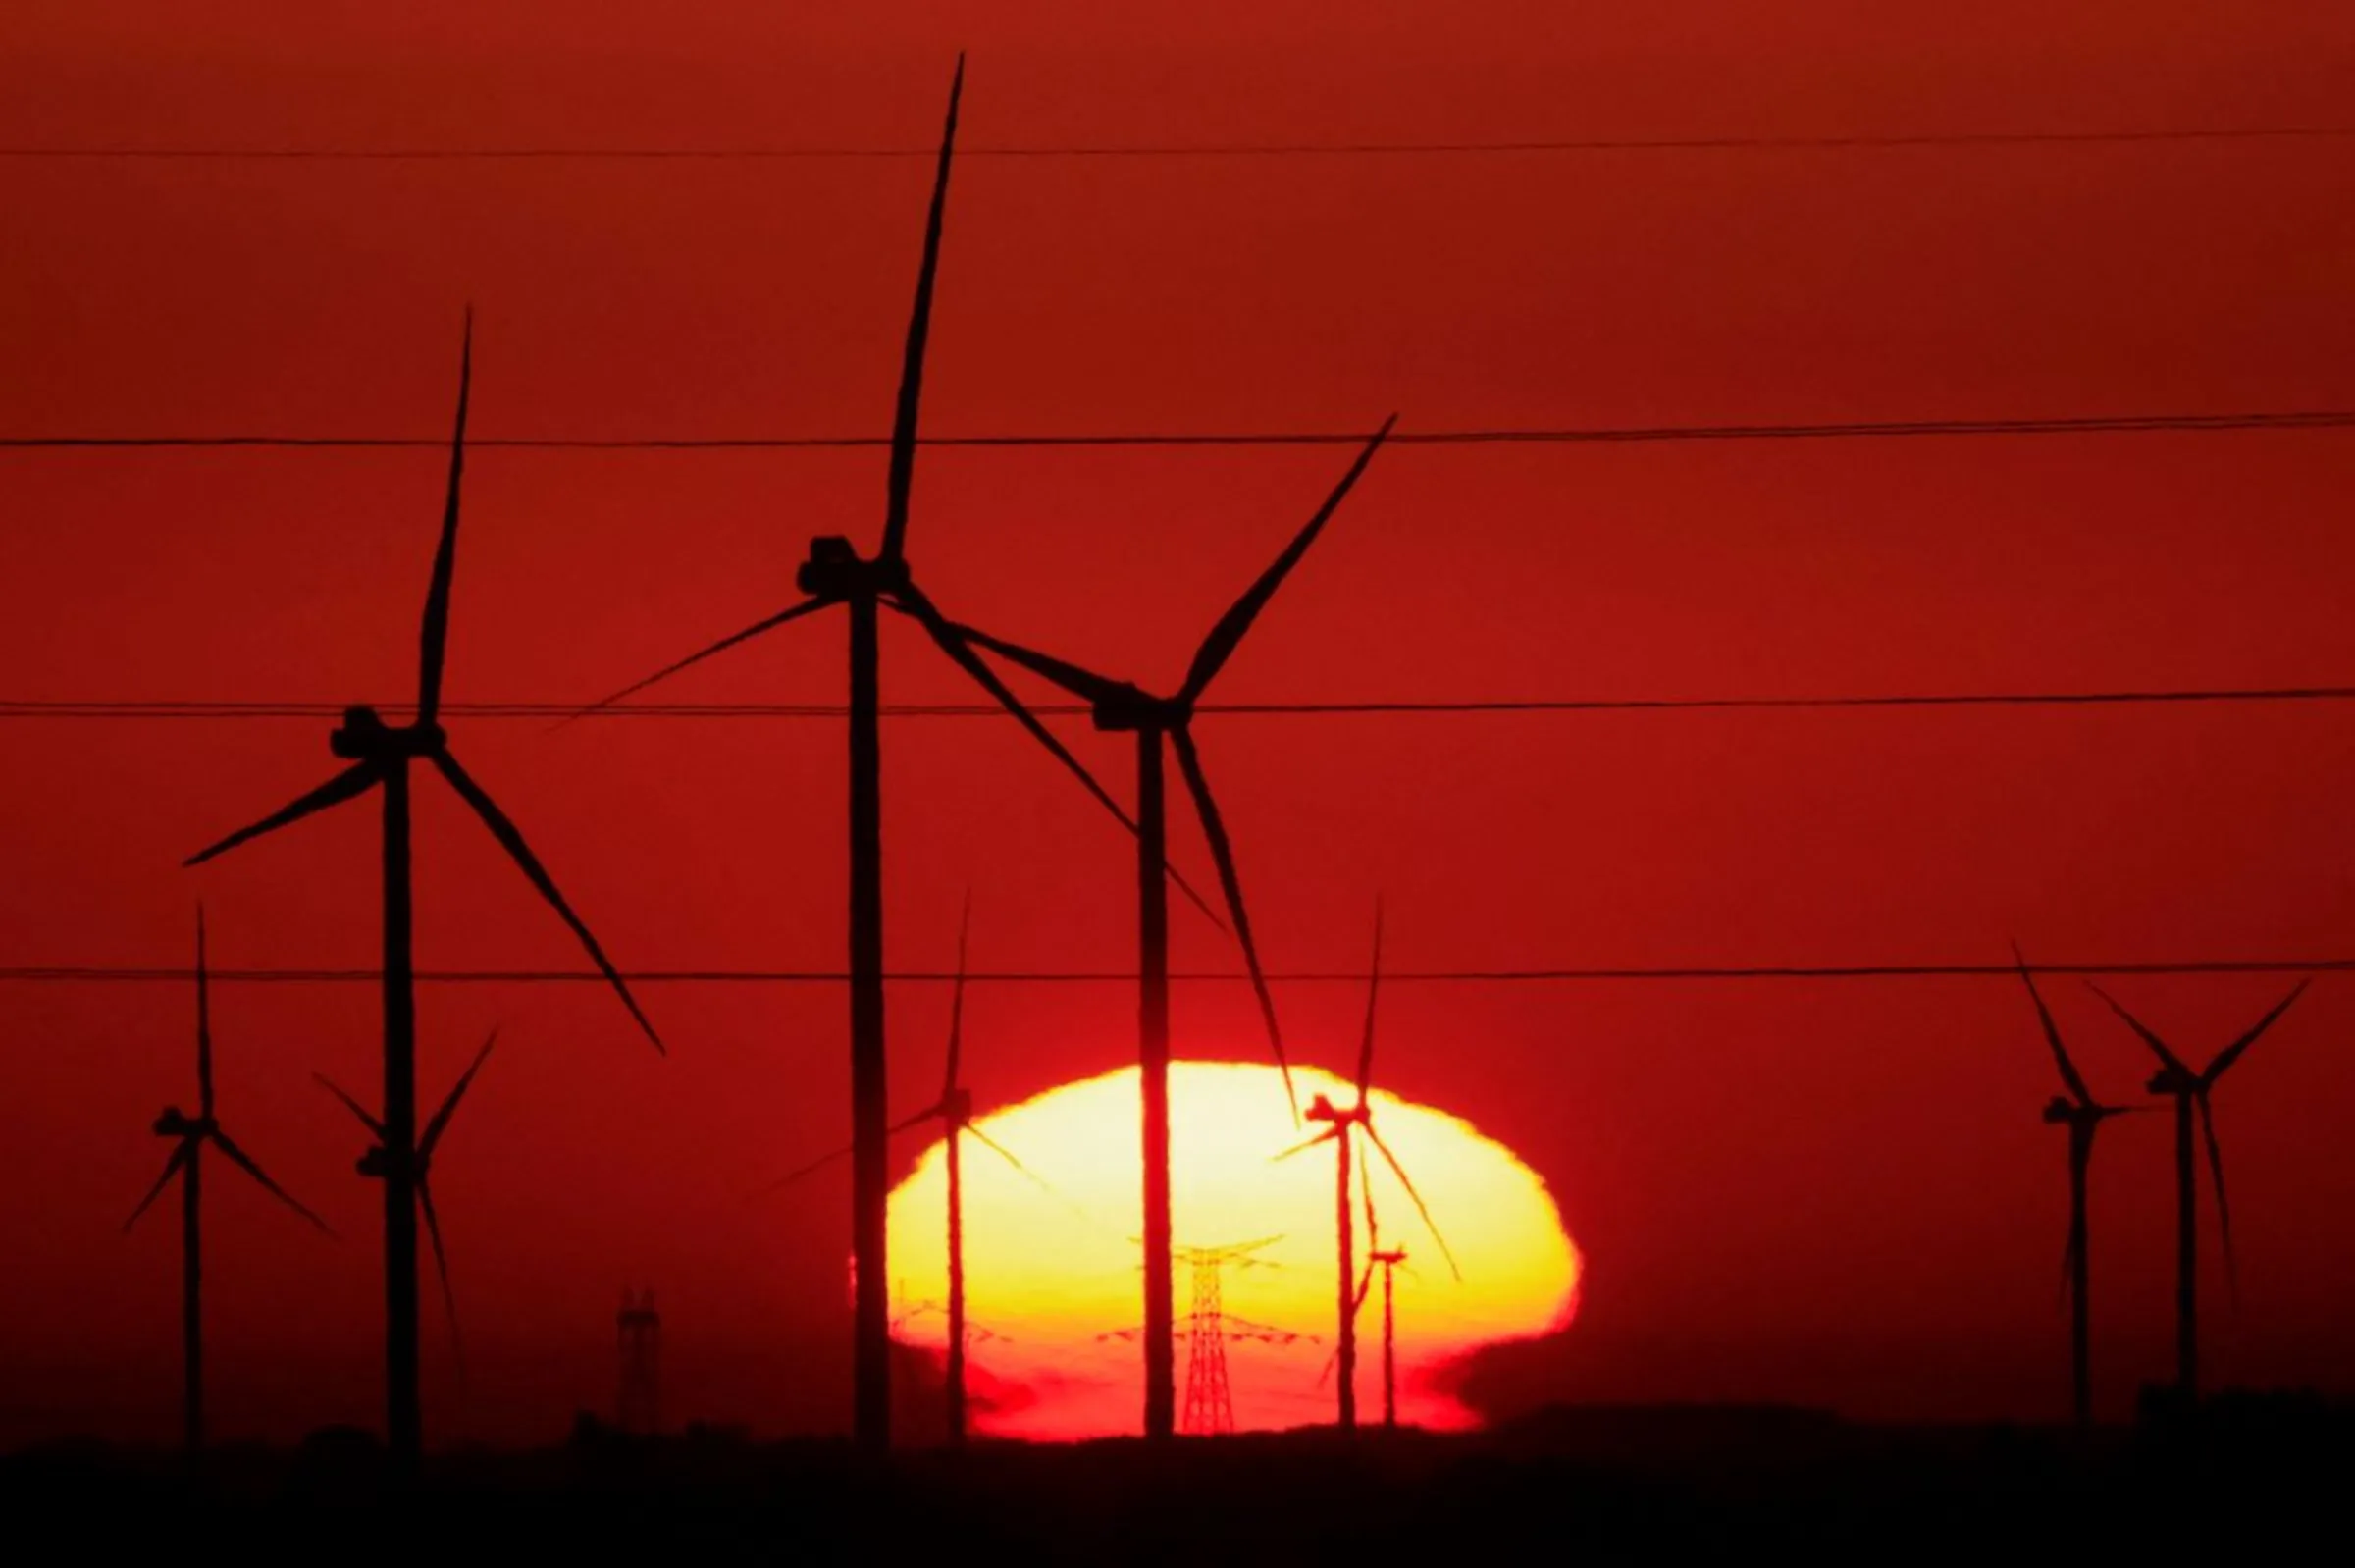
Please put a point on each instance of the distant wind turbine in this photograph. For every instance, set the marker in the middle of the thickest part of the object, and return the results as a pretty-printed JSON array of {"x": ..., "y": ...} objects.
[
  {"x": 2083, "y": 1115},
  {"x": 2177, "y": 1080},
  {"x": 954, "y": 1110},
  {"x": 1123, "y": 706},
  {"x": 835, "y": 573},
  {"x": 1344, "y": 1123},
  {"x": 377, "y": 1162},
  {"x": 189, "y": 1135},
  {"x": 381, "y": 756}
]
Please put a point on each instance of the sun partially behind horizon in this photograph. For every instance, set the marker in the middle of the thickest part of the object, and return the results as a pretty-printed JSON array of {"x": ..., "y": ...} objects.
[{"x": 1052, "y": 1266}]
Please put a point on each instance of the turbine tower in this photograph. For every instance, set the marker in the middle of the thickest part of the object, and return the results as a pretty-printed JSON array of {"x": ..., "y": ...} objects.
[
  {"x": 2083, "y": 1115},
  {"x": 381, "y": 756},
  {"x": 2177, "y": 1082},
  {"x": 188, "y": 1135},
  {"x": 1162, "y": 724},
  {"x": 835, "y": 573},
  {"x": 1343, "y": 1124}
]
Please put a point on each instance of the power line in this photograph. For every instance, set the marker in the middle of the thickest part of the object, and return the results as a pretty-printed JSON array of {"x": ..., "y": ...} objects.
[
  {"x": 170, "y": 709},
  {"x": 1295, "y": 149},
  {"x": 1598, "y": 435},
  {"x": 127, "y": 974}
]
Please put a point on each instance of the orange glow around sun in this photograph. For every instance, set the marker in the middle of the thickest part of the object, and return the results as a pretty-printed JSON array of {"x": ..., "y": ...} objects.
[{"x": 1049, "y": 1272}]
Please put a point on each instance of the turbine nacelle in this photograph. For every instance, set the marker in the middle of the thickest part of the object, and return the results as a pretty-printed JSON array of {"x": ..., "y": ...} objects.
[
  {"x": 1322, "y": 1108},
  {"x": 956, "y": 1107},
  {"x": 365, "y": 737},
  {"x": 1125, "y": 709},
  {"x": 178, "y": 1124},
  {"x": 376, "y": 1163},
  {"x": 2061, "y": 1111},
  {"x": 836, "y": 570},
  {"x": 2172, "y": 1081}
]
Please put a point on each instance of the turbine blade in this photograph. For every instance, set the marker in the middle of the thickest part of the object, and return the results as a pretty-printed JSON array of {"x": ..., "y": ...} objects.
[
  {"x": 1304, "y": 1146},
  {"x": 204, "y": 1024},
  {"x": 1220, "y": 643},
  {"x": 2051, "y": 1033},
  {"x": 795, "y": 612},
  {"x": 510, "y": 839},
  {"x": 450, "y": 1106},
  {"x": 2231, "y": 1053},
  {"x": 917, "y": 1120},
  {"x": 1331, "y": 1362},
  {"x": 433, "y": 642},
  {"x": 2223, "y": 1206},
  {"x": 1421, "y": 1208},
  {"x": 1365, "y": 1050},
  {"x": 799, "y": 1172},
  {"x": 2165, "y": 1056},
  {"x": 450, "y": 1298},
  {"x": 1365, "y": 1284},
  {"x": 244, "y": 1163},
  {"x": 1084, "y": 684},
  {"x": 913, "y": 603},
  {"x": 1222, "y": 854},
  {"x": 1365, "y": 1192},
  {"x": 919, "y": 329},
  {"x": 370, "y": 1123},
  {"x": 180, "y": 1157},
  {"x": 353, "y": 781},
  {"x": 1007, "y": 1155},
  {"x": 964, "y": 926}
]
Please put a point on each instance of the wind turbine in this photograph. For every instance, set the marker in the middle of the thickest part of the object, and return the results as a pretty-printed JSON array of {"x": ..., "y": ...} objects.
[
  {"x": 377, "y": 1163},
  {"x": 189, "y": 1135},
  {"x": 1390, "y": 1261},
  {"x": 1123, "y": 706},
  {"x": 382, "y": 757},
  {"x": 835, "y": 573},
  {"x": 1344, "y": 1123},
  {"x": 2083, "y": 1115},
  {"x": 954, "y": 1110},
  {"x": 2176, "y": 1080}
]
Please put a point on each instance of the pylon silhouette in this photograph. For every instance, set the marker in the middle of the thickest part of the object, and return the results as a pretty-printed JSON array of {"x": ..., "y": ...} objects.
[
  {"x": 1209, "y": 1400},
  {"x": 637, "y": 1407}
]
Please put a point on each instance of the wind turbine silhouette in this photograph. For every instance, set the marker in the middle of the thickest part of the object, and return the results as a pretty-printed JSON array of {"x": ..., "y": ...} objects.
[
  {"x": 954, "y": 1110},
  {"x": 2083, "y": 1115},
  {"x": 189, "y": 1135},
  {"x": 381, "y": 756},
  {"x": 2176, "y": 1080},
  {"x": 1123, "y": 706},
  {"x": 1344, "y": 1123},
  {"x": 378, "y": 1162},
  {"x": 835, "y": 573},
  {"x": 1390, "y": 1262}
]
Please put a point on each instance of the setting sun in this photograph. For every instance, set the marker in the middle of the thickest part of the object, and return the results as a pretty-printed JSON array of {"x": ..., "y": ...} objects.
[{"x": 1052, "y": 1268}]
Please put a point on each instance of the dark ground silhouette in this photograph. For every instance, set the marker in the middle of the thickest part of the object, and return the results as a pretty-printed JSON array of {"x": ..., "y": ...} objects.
[{"x": 1608, "y": 1482}]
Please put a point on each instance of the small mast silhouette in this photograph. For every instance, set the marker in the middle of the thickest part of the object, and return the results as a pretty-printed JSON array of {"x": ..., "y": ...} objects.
[
  {"x": 1344, "y": 1123},
  {"x": 375, "y": 1162},
  {"x": 954, "y": 1110},
  {"x": 1123, "y": 706},
  {"x": 2083, "y": 1115},
  {"x": 189, "y": 1135},
  {"x": 2176, "y": 1080},
  {"x": 381, "y": 756},
  {"x": 835, "y": 573}
]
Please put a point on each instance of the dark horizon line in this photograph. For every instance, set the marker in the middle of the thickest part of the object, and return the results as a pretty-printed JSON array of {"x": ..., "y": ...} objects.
[
  {"x": 2005, "y": 971},
  {"x": 167, "y": 708},
  {"x": 1161, "y": 150},
  {"x": 2082, "y": 424}
]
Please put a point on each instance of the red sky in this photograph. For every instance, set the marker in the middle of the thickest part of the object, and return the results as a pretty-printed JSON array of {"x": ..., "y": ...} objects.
[{"x": 1832, "y": 1192}]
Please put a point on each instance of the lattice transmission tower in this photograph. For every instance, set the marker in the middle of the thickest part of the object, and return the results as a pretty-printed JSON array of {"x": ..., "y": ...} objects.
[
  {"x": 1209, "y": 1400},
  {"x": 637, "y": 1407}
]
